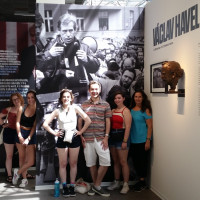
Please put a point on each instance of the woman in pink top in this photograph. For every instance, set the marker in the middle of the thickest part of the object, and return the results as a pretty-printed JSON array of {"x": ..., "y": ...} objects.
[{"x": 119, "y": 141}]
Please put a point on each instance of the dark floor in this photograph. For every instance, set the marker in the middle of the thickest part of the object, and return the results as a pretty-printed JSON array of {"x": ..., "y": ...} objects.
[{"x": 10, "y": 192}]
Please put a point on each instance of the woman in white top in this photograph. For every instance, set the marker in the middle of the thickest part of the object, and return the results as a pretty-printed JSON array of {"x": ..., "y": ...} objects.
[{"x": 67, "y": 144}]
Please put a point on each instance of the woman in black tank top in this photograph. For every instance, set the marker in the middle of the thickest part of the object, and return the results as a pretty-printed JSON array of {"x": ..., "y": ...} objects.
[{"x": 26, "y": 138}]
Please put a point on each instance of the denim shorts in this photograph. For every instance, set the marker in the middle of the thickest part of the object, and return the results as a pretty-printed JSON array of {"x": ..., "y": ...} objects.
[
  {"x": 25, "y": 134},
  {"x": 116, "y": 144},
  {"x": 76, "y": 142},
  {"x": 9, "y": 135}
]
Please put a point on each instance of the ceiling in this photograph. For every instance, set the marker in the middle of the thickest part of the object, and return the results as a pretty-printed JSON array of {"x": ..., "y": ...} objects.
[{"x": 24, "y": 10}]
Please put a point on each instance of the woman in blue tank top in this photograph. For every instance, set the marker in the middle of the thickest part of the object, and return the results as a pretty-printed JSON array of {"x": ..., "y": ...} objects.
[{"x": 141, "y": 131}]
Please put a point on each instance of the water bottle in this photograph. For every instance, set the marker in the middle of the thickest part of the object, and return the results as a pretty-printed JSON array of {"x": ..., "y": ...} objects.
[{"x": 56, "y": 188}]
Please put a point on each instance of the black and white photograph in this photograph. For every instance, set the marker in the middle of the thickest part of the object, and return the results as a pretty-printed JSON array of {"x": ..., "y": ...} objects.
[
  {"x": 80, "y": 44},
  {"x": 157, "y": 83}
]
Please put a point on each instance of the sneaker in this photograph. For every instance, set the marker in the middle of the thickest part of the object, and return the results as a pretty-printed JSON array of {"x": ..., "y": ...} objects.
[
  {"x": 71, "y": 191},
  {"x": 66, "y": 192},
  {"x": 114, "y": 185},
  {"x": 101, "y": 192},
  {"x": 24, "y": 183},
  {"x": 91, "y": 192},
  {"x": 125, "y": 188},
  {"x": 15, "y": 177},
  {"x": 139, "y": 186}
]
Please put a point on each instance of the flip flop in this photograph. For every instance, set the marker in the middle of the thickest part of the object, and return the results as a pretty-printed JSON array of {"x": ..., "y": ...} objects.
[
  {"x": 9, "y": 179},
  {"x": 29, "y": 176}
]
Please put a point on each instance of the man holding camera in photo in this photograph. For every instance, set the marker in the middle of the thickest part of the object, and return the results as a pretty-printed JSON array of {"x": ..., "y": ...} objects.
[{"x": 67, "y": 62}]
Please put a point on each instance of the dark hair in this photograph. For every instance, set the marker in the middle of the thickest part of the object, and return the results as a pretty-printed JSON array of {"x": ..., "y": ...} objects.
[
  {"x": 19, "y": 96},
  {"x": 33, "y": 92},
  {"x": 112, "y": 65},
  {"x": 61, "y": 95},
  {"x": 146, "y": 104},
  {"x": 115, "y": 90},
  {"x": 130, "y": 70}
]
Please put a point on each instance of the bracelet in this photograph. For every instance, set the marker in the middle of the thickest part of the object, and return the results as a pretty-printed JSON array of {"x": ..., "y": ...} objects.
[
  {"x": 107, "y": 135},
  {"x": 149, "y": 139},
  {"x": 124, "y": 141}
]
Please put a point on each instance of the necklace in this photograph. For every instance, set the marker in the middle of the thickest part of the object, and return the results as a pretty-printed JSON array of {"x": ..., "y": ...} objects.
[{"x": 121, "y": 108}]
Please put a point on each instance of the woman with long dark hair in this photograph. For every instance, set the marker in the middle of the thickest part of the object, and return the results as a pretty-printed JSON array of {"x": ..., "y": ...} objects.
[
  {"x": 141, "y": 132},
  {"x": 26, "y": 138}
]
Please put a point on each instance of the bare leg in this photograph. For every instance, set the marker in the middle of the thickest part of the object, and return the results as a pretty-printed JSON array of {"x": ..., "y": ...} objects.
[
  {"x": 29, "y": 160},
  {"x": 73, "y": 158},
  {"x": 100, "y": 174},
  {"x": 63, "y": 156},
  {"x": 9, "y": 155},
  {"x": 123, "y": 154},
  {"x": 116, "y": 160},
  {"x": 21, "y": 150},
  {"x": 93, "y": 172}
]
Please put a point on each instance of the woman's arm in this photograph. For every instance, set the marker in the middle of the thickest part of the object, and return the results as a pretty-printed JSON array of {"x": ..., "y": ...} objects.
[
  {"x": 33, "y": 129},
  {"x": 19, "y": 113},
  {"x": 49, "y": 119},
  {"x": 127, "y": 121},
  {"x": 85, "y": 117},
  {"x": 149, "y": 123}
]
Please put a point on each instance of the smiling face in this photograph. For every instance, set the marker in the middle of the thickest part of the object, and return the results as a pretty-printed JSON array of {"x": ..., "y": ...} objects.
[
  {"x": 16, "y": 101},
  {"x": 66, "y": 98},
  {"x": 119, "y": 100},
  {"x": 94, "y": 90},
  {"x": 31, "y": 98},
  {"x": 138, "y": 98}
]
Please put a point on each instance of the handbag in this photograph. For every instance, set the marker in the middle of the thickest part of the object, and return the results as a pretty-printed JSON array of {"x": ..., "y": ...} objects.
[
  {"x": 82, "y": 186},
  {"x": 117, "y": 135},
  {"x": 2, "y": 130}
]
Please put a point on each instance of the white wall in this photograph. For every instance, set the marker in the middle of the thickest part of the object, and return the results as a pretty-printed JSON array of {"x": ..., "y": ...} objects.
[{"x": 175, "y": 164}]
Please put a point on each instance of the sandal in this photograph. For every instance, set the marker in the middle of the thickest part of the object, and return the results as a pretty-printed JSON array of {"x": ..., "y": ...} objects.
[
  {"x": 9, "y": 179},
  {"x": 29, "y": 176}
]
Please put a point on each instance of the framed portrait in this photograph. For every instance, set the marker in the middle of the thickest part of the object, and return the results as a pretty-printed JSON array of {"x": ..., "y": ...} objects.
[{"x": 156, "y": 83}]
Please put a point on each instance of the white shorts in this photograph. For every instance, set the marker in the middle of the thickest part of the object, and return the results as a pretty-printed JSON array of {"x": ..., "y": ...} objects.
[{"x": 94, "y": 149}]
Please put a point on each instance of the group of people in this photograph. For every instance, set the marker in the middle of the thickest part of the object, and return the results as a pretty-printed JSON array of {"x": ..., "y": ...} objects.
[
  {"x": 20, "y": 130},
  {"x": 102, "y": 131},
  {"x": 66, "y": 62}
]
